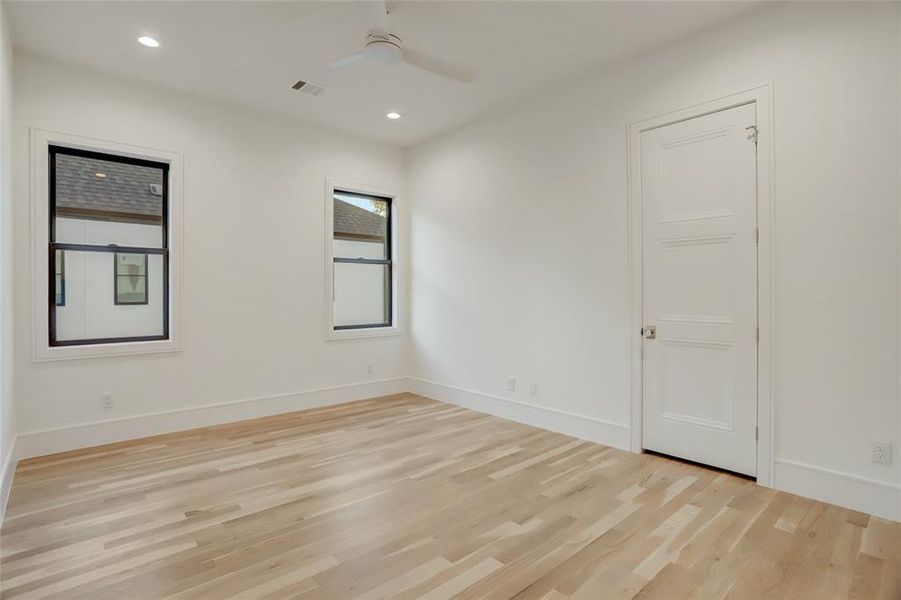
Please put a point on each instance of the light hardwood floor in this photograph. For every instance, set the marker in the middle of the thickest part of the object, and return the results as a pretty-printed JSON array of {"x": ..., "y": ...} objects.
[{"x": 406, "y": 497}]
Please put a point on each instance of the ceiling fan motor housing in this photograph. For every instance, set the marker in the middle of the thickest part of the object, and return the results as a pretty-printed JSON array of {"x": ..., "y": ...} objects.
[{"x": 384, "y": 49}]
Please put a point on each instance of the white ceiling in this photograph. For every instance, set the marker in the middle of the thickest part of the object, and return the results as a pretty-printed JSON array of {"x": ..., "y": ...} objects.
[{"x": 250, "y": 53}]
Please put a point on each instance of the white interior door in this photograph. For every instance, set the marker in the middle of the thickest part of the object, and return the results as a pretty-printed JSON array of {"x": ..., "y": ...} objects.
[{"x": 699, "y": 219}]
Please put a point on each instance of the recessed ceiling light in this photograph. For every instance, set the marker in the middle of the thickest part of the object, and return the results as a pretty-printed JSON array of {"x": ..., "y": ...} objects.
[
  {"x": 148, "y": 41},
  {"x": 393, "y": 115}
]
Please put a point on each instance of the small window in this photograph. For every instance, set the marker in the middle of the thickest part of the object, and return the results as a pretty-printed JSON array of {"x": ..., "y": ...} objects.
[
  {"x": 362, "y": 255},
  {"x": 60, "y": 278},
  {"x": 131, "y": 279},
  {"x": 107, "y": 215}
]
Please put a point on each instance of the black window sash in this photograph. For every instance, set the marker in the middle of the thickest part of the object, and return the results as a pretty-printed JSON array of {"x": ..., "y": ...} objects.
[
  {"x": 110, "y": 248},
  {"x": 387, "y": 262}
]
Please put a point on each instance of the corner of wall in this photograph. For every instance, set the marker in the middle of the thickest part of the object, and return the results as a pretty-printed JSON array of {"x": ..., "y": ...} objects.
[
  {"x": 7, "y": 472},
  {"x": 7, "y": 416},
  {"x": 898, "y": 341}
]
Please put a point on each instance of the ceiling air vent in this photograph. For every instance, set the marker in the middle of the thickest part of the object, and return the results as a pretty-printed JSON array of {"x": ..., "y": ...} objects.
[{"x": 308, "y": 87}]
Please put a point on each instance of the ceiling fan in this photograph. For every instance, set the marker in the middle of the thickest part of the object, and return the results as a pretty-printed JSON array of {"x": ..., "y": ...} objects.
[{"x": 382, "y": 46}]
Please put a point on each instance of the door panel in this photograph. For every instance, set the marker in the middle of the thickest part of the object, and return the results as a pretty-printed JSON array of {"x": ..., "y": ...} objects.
[{"x": 699, "y": 217}]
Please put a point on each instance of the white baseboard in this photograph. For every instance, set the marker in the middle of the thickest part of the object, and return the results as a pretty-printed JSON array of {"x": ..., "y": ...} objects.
[
  {"x": 73, "y": 437},
  {"x": 6, "y": 477},
  {"x": 580, "y": 426},
  {"x": 859, "y": 493},
  {"x": 880, "y": 498}
]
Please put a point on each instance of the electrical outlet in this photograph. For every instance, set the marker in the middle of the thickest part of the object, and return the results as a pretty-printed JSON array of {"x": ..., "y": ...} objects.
[
  {"x": 533, "y": 389},
  {"x": 511, "y": 384},
  {"x": 369, "y": 369},
  {"x": 106, "y": 400},
  {"x": 882, "y": 453}
]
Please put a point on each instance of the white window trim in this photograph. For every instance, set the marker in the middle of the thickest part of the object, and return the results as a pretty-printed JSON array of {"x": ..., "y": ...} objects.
[
  {"x": 41, "y": 140},
  {"x": 331, "y": 184}
]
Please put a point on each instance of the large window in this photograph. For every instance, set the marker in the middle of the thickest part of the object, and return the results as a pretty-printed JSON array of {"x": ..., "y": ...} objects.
[
  {"x": 108, "y": 214},
  {"x": 362, "y": 255}
]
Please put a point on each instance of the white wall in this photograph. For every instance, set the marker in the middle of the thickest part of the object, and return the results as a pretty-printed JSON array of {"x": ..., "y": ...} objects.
[
  {"x": 519, "y": 249},
  {"x": 254, "y": 225},
  {"x": 7, "y": 424},
  {"x": 90, "y": 310}
]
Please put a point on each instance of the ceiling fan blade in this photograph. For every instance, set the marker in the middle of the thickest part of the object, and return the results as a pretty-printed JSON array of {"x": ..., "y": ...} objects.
[
  {"x": 438, "y": 66},
  {"x": 347, "y": 59}
]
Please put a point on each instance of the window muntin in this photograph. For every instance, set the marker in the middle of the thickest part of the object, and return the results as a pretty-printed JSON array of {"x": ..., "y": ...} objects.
[
  {"x": 103, "y": 206},
  {"x": 362, "y": 256},
  {"x": 130, "y": 284}
]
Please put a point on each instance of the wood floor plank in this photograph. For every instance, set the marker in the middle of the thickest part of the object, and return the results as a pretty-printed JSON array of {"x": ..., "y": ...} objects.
[{"x": 409, "y": 498}]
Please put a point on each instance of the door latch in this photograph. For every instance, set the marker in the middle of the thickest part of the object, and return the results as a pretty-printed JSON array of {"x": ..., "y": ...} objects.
[{"x": 649, "y": 332}]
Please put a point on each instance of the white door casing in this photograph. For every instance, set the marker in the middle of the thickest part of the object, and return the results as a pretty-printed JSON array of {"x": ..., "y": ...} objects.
[{"x": 699, "y": 253}]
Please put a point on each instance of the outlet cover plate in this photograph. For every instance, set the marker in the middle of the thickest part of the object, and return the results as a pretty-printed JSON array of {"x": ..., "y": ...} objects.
[{"x": 882, "y": 453}]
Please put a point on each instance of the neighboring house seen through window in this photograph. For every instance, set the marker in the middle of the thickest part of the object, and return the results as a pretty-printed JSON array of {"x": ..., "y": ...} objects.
[
  {"x": 108, "y": 214},
  {"x": 131, "y": 279},
  {"x": 362, "y": 255},
  {"x": 60, "y": 259}
]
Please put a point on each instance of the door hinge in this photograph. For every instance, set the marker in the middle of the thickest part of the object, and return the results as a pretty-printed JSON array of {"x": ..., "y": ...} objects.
[
  {"x": 753, "y": 134},
  {"x": 757, "y": 335},
  {"x": 756, "y": 434},
  {"x": 757, "y": 235}
]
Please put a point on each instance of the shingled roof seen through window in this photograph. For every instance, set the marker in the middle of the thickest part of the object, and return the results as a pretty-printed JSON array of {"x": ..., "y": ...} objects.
[
  {"x": 352, "y": 221},
  {"x": 93, "y": 188}
]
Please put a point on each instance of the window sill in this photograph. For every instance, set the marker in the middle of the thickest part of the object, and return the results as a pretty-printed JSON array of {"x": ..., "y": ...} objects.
[
  {"x": 49, "y": 353},
  {"x": 353, "y": 334}
]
